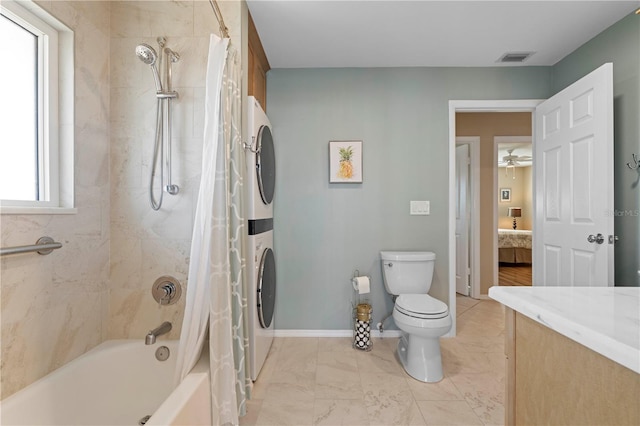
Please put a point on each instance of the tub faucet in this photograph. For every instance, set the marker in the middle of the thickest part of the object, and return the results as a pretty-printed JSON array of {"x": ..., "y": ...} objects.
[{"x": 164, "y": 328}]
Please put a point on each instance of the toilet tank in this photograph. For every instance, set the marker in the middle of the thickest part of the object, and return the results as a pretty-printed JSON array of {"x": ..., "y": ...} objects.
[{"x": 406, "y": 272}]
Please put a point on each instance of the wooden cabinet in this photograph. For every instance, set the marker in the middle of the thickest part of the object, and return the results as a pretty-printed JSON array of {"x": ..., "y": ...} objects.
[
  {"x": 552, "y": 380},
  {"x": 257, "y": 67}
]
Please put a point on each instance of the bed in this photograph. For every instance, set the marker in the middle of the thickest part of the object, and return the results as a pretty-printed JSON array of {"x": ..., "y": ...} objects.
[{"x": 514, "y": 246}]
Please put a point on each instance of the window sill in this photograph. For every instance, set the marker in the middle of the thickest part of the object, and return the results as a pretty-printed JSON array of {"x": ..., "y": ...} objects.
[{"x": 19, "y": 210}]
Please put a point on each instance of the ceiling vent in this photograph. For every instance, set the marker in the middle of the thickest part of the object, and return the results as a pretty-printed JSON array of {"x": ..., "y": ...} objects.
[{"x": 515, "y": 57}]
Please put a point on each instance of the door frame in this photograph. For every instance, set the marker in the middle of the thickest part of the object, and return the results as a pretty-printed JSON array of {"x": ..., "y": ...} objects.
[
  {"x": 498, "y": 140},
  {"x": 474, "y": 205},
  {"x": 512, "y": 105}
]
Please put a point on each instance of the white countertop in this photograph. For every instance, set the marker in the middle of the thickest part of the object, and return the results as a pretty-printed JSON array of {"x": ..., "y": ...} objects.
[{"x": 604, "y": 319}]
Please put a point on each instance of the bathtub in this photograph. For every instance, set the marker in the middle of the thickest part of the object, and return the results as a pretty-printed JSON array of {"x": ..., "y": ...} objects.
[{"x": 119, "y": 382}]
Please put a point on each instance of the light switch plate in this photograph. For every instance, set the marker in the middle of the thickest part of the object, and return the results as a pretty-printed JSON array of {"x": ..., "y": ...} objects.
[{"x": 419, "y": 207}]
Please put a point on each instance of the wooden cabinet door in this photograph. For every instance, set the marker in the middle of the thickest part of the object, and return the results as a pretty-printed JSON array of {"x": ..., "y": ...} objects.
[{"x": 257, "y": 67}]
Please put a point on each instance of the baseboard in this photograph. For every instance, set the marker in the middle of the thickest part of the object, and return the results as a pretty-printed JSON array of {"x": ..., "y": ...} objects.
[
  {"x": 313, "y": 333},
  {"x": 332, "y": 333}
]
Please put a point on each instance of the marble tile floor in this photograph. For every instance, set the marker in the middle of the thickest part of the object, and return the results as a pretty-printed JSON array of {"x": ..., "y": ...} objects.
[{"x": 324, "y": 381}]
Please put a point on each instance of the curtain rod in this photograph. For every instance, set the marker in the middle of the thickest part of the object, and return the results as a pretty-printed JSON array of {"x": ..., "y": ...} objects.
[{"x": 224, "y": 31}]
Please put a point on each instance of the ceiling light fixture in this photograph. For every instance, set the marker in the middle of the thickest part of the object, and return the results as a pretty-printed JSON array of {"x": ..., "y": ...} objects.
[{"x": 510, "y": 165}]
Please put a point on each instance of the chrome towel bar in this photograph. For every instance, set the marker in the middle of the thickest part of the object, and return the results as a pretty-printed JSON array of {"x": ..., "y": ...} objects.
[{"x": 44, "y": 245}]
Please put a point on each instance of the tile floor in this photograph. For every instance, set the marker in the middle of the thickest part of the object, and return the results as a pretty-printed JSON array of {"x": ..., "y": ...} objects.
[{"x": 324, "y": 381}]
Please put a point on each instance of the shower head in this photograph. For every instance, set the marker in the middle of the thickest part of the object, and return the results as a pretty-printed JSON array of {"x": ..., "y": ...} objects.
[
  {"x": 149, "y": 56},
  {"x": 146, "y": 54}
]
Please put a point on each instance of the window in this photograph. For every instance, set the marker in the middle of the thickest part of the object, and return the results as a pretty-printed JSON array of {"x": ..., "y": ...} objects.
[{"x": 36, "y": 163}]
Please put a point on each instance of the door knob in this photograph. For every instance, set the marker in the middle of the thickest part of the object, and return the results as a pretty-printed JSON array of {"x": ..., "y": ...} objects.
[{"x": 599, "y": 239}]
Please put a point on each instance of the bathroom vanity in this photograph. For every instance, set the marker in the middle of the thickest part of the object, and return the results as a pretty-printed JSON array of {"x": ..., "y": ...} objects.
[{"x": 573, "y": 355}]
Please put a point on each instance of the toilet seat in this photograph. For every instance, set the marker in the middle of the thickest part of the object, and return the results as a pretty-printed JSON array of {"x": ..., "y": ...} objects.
[{"x": 421, "y": 306}]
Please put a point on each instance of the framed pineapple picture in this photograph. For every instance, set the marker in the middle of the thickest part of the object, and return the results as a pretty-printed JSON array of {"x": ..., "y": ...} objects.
[{"x": 345, "y": 161}]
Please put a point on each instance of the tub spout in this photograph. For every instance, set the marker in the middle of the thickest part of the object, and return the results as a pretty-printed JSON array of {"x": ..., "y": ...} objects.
[{"x": 164, "y": 328}]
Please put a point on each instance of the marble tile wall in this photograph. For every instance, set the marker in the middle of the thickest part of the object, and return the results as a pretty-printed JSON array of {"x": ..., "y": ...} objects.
[
  {"x": 98, "y": 286},
  {"x": 146, "y": 244},
  {"x": 54, "y": 308}
]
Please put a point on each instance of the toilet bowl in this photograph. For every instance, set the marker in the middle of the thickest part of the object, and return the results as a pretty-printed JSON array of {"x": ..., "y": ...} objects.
[
  {"x": 419, "y": 347},
  {"x": 422, "y": 318}
]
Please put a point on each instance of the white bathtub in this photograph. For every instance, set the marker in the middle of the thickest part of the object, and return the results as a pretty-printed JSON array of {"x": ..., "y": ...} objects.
[{"x": 117, "y": 383}]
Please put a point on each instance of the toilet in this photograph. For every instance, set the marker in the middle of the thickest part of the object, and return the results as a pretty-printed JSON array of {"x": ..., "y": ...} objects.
[{"x": 421, "y": 318}]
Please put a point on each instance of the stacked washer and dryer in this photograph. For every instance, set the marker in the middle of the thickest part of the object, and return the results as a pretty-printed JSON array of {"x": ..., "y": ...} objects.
[{"x": 261, "y": 267}]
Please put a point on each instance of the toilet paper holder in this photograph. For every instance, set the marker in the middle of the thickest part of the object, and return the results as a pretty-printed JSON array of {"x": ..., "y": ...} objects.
[
  {"x": 362, "y": 314},
  {"x": 356, "y": 282}
]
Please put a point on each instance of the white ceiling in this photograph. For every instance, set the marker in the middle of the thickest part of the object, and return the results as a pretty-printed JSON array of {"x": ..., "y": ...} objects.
[{"x": 394, "y": 33}]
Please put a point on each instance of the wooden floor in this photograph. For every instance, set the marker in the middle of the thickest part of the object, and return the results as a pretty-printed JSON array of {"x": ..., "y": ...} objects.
[{"x": 514, "y": 274}]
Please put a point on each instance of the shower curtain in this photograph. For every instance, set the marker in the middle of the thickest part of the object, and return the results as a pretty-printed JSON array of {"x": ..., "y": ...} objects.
[{"x": 216, "y": 290}]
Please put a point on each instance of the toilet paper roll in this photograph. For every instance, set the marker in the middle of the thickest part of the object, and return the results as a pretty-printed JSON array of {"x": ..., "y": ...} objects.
[{"x": 361, "y": 285}]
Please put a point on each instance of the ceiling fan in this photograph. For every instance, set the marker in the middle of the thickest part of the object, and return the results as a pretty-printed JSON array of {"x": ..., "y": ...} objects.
[{"x": 511, "y": 160}]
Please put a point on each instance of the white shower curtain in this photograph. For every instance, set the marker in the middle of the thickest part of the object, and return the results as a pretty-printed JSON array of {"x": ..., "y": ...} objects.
[{"x": 216, "y": 289}]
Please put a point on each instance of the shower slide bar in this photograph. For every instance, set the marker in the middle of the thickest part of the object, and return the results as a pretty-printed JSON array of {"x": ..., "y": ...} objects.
[{"x": 44, "y": 245}]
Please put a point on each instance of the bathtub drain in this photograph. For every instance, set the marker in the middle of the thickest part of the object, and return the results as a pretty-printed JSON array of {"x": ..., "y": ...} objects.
[
  {"x": 143, "y": 421},
  {"x": 162, "y": 353}
]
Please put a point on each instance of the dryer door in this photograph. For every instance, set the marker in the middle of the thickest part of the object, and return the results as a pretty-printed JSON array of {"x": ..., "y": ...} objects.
[
  {"x": 265, "y": 164},
  {"x": 266, "y": 288}
]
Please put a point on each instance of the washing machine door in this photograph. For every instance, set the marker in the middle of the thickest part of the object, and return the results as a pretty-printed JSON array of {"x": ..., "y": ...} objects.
[
  {"x": 265, "y": 164},
  {"x": 266, "y": 288}
]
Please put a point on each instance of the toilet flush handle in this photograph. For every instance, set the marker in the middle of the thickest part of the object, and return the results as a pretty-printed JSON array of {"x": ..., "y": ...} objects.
[{"x": 390, "y": 265}]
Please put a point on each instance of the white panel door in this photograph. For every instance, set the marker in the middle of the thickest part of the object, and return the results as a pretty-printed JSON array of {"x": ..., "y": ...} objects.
[
  {"x": 573, "y": 158},
  {"x": 462, "y": 220}
]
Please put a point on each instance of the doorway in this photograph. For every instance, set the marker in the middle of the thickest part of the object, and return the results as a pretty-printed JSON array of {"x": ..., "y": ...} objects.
[
  {"x": 517, "y": 106},
  {"x": 481, "y": 130},
  {"x": 513, "y": 208},
  {"x": 467, "y": 224}
]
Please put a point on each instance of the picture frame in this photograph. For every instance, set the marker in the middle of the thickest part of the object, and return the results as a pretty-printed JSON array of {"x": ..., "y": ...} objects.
[
  {"x": 505, "y": 194},
  {"x": 345, "y": 161}
]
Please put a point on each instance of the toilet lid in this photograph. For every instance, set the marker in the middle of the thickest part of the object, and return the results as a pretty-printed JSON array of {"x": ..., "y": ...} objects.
[{"x": 421, "y": 306}]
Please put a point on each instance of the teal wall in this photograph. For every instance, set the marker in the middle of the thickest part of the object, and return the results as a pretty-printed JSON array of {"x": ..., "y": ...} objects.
[
  {"x": 619, "y": 44},
  {"x": 323, "y": 232}
]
